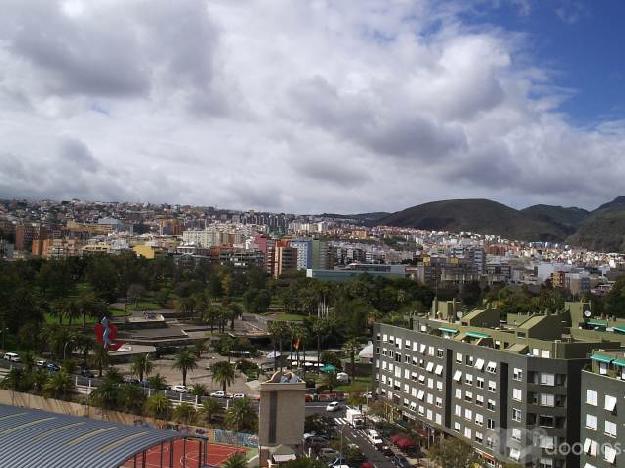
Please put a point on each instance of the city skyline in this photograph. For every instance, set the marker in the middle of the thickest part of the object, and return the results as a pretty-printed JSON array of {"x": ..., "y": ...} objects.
[{"x": 312, "y": 107}]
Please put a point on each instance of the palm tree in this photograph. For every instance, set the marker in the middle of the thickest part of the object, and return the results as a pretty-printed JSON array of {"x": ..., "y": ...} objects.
[
  {"x": 199, "y": 389},
  {"x": 59, "y": 385},
  {"x": 223, "y": 374},
  {"x": 14, "y": 380},
  {"x": 319, "y": 329},
  {"x": 72, "y": 310},
  {"x": 185, "y": 413},
  {"x": 241, "y": 416},
  {"x": 132, "y": 398},
  {"x": 184, "y": 361},
  {"x": 101, "y": 359},
  {"x": 106, "y": 395},
  {"x": 158, "y": 406},
  {"x": 351, "y": 347},
  {"x": 278, "y": 331},
  {"x": 209, "y": 409},
  {"x": 329, "y": 380},
  {"x": 141, "y": 365},
  {"x": 200, "y": 347},
  {"x": 157, "y": 382},
  {"x": 237, "y": 460},
  {"x": 28, "y": 361}
]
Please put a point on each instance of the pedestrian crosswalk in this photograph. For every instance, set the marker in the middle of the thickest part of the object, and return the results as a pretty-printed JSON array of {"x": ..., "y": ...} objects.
[{"x": 340, "y": 421}]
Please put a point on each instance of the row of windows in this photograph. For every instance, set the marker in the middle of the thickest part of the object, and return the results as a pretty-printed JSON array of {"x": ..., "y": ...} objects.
[
  {"x": 591, "y": 447},
  {"x": 609, "y": 401},
  {"x": 609, "y": 428},
  {"x": 468, "y": 414}
]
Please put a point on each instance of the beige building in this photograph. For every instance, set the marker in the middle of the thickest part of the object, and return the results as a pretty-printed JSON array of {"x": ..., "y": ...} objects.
[{"x": 281, "y": 418}]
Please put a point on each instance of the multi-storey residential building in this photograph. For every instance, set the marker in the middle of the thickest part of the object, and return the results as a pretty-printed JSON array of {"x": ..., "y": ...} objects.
[
  {"x": 510, "y": 387},
  {"x": 284, "y": 259},
  {"x": 603, "y": 411},
  {"x": 304, "y": 253}
]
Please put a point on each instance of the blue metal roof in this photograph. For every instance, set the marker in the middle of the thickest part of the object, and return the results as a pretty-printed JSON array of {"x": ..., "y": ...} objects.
[{"x": 34, "y": 438}]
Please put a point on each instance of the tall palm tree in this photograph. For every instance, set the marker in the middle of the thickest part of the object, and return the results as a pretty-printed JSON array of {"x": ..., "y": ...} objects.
[
  {"x": 241, "y": 416},
  {"x": 59, "y": 385},
  {"x": 351, "y": 347},
  {"x": 236, "y": 460},
  {"x": 185, "y": 413},
  {"x": 101, "y": 359},
  {"x": 319, "y": 329},
  {"x": 157, "y": 382},
  {"x": 209, "y": 409},
  {"x": 158, "y": 406},
  {"x": 141, "y": 365},
  {"x": 106, "y": 395},
  {"x": 223, "y": 374},
  {"x": 199, "y": 389},
  {"x": 184, "y": 361},
  {"x": 200, "y": 347},
  {"x": 278, "y": 331}
]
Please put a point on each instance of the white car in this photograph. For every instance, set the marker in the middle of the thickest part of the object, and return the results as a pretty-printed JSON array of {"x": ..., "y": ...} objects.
[
  {"x": 218, "y": 394},
  {"x": 334, "y": 406},
  {"x": 180, "y": 389},
  {"x": 238, "y": 395}
]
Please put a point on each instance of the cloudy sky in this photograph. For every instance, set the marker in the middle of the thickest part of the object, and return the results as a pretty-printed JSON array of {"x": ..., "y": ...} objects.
[{"x": 311, "y": 106}]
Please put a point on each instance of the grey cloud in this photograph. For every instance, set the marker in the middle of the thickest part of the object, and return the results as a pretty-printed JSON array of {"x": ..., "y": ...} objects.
[{"x": 78, "y": 155}]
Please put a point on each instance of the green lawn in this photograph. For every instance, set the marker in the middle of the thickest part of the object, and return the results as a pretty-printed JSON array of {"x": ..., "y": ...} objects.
[
  {"x": 359, "y": 384},
  {"x": 289, "y": 317}
]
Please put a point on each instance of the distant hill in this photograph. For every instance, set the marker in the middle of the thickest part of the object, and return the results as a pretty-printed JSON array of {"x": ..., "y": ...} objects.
[
  {"x": 364, "y": 218},
  {"x": 478, "y": 215},
  {"x": 567, "y": 219},
  {"x": 603, "y": 229}
]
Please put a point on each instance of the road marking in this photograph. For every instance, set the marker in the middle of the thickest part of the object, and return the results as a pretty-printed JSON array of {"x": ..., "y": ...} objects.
[{"x": 340, "y": 420}]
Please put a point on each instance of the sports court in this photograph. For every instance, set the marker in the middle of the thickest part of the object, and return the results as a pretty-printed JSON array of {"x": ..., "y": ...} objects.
[{"x": 184, "y": 453}]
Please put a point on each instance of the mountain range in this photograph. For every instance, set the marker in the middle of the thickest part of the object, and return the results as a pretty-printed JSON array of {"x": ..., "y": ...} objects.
[{"x": 602, "y": 229}]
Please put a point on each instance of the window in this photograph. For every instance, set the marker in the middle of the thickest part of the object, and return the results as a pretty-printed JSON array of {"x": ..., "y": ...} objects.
[
  {"x": 492, "y": 386},
  {"x": 547, "y": 399},
  {"x": 458, "y": 376},
  {"x": 420, "y": 394},
  {"x": 610, "y": 428},
  {"x": 467, "y": 432},
  {"x": 422, "y": 349},
  {"x": 439, "y": 419},
  {"x": 545, "y": 462},
  {"x": 609, "y": 403},
  {"x": 439, "y": 402},
  {"x": 421, "y": 410},
  {"x": 431, "y": 350},
  {"x": 398, "y": 372},
  {"x": 590, "y": 447},
  {"x": 439, "y": 370},
  {"x": 479, "y": 437},
  {"x": 440, "y": 353},
  {"x": 430, "y": 398},
  {"x": 517, "y": 394},
  {"x": 516, "y": 414},
  {"x": 591, "y": 422},
  {"x": 459, "y": 357},
  {"x": 468, "y": 360},
  {"x": 384, "y": 338},
  {"x": 491, "y": 367},
  {"x": 609, "y": 454},
  {"x": 468, "y": 414},
  {"x": 491, "y": 405},
  {"x": 491, "y": 423},
  {"x": 421, "y": 379},
  {"x": 430, "y": 383},
  {"x": 546, "y": 421},
  {"x": 406, "y": 388},
  {"x": 429, "y": 414},
  {"x": 547, "y": 379},
  {"x": 479, "y": 400},
  {"x": 479, "y": 364},
  {"x": 398, "y": 343},
  {"x": 406, "y": 374},
  {"x": 516, "y": 433},
  {"x": 439, "y": 386},
  {"x": 468, "y": 396},
  {"x": 408, "y": 344},
  {"x": 459, "y": 394},
  {"x": 458, "y": 411},
  {"x": 468, "y": 379},
  {"x": 480, "y": 382},
  {"x": 479, "y": 419},
  {"x": 517, "y": 374},
  {"x": 547, "y": 442},
  {"x": 591, "y": 397},
  {"x": 457, "y": 427},
  {"x": 603, "y": 368},
  {"x": 430, "y": 367}
]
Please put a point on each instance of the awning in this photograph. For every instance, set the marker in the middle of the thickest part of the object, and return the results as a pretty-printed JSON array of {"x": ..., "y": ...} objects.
[
  {"x": 474, "y": 334},
  {"x": 619, "y": 329},
  {"x": 602, "y": 358},
  {"x": 450, "y": 330},
  {"x": 328, "y": 368},
  {"x": 619, "y": 362}
]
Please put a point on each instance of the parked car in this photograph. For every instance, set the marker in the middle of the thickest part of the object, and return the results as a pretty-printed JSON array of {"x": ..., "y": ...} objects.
[
  {"x": 87, "y": 373},
  {"x": 40, "y": 363},
  {"x": 180, "y": 389},
  {"x": 10, "y": 356},
  {"x": 334, "y": 406},
  {"x": 238, "y": 395},
  {"x": 317, "y": 441},
  {"x": 218, "y": 394},
  {"x": 53, "y": 367},
  {"x": 328, "y": 453},
  {"x": 400, "y": 461}
]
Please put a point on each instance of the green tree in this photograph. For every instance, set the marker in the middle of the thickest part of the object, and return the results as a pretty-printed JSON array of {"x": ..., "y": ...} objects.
[
  {"x": 279, "y": 331},
  {"x": 223, "y": 374},
  {"x": 59, "y": 385},
  {"x": 210, "y": 409},
  {"x": 304, "y": 462},
  {"x": 453, "y": 453},
  {"x": 237, "y": 460},
  {"x": 329, "y": 380},
  {"x": 157, "y": 382},
  {"x": 185, "y": 413},
  {"x": 132, "y": 398},
  {"x": 106, "y": 395},
  {"x": 184, "y": 361},
  {"x": 141, "y": 365},
  {"x": 16, "y": 380},
  {"x": 351, "y": 347},
  {"x": 101, "y": 359},
  {"x": 158, "y": 406},
  {"x": 241, "y": 416},
  {"x": 615, "y": 299}
]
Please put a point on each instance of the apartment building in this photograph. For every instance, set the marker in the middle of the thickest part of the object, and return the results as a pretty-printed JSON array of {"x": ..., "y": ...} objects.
[
  {"x": 510, "y": 391},
  {"x": 603, "y": 411}
]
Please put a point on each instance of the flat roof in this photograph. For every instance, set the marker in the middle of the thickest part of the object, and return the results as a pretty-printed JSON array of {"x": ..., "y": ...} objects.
[{"x": 35, "y": 438}]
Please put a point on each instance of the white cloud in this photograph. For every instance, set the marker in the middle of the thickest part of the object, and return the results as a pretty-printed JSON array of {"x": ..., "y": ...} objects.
[{"x": 297, "y": 106}]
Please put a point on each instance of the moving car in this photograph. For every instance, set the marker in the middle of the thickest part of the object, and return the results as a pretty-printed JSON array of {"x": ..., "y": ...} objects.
[
  {"x": 334, "y": 406},
  {"x": 374, "y": 438},
  {"x": 40, "y": 362},
  {"x": 328, "y": 453},
  {"x": 180, "y": 389},
  {"x": 400, "y": 462},
  {"x": 238, "y": 395},
  {"x": 218, "y": 394}
]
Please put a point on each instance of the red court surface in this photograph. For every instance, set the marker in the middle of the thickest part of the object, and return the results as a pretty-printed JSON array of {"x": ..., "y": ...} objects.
[{"x": 186, "y": 455}]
